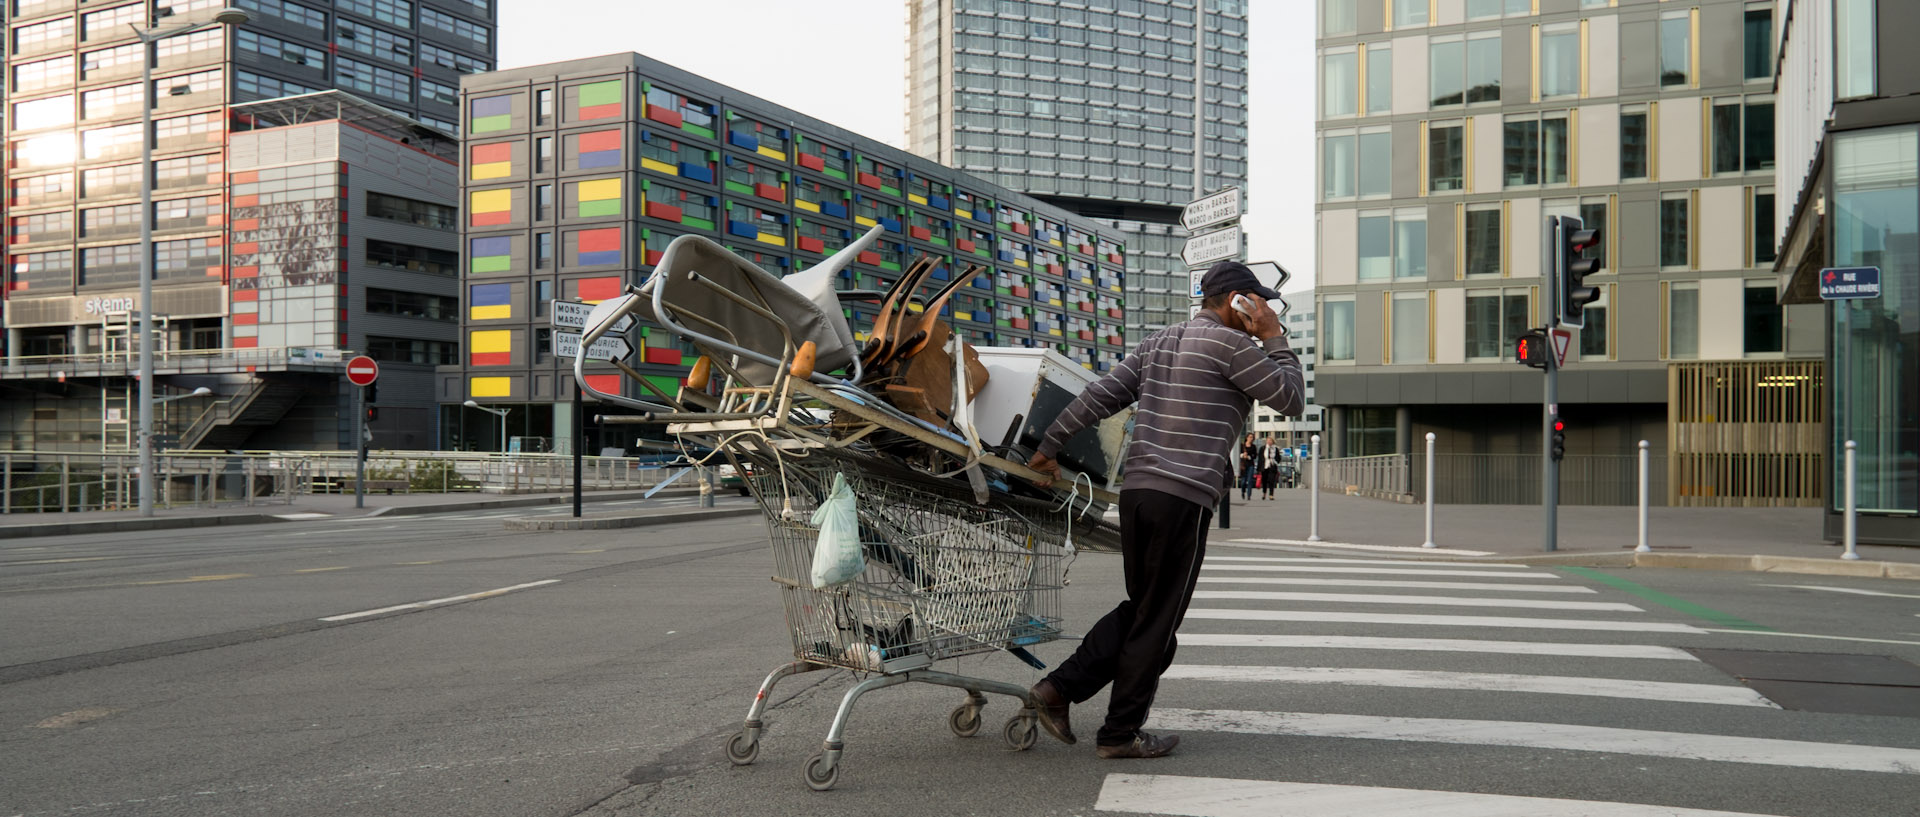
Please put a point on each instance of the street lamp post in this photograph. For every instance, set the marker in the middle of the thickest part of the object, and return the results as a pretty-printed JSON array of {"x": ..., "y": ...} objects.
[
  {"x": 500, "y": 413},
  {"x": 153, "y": 33}
]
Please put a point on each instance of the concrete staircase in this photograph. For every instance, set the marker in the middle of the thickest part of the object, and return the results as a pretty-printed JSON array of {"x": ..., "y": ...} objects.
[{"x": 227, "y": 424}]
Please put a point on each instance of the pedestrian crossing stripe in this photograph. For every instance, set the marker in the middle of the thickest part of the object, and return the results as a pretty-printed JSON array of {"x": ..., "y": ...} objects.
[
  {"x": 1378, "y": 571},
  {"x": 1224, "y": 797},
  {"x": 1668, "y": 691},
  {"x": 1293, "y": 544},
  {"x": 1538, "y": 735},
  {"x": 1431, "y": 601},
  {"x": 1326, "y": 560},
  {"x": 1340, "y": 642},
  {"x": 1439, "y": 621},
  {"x": 1411, "y": 584}
]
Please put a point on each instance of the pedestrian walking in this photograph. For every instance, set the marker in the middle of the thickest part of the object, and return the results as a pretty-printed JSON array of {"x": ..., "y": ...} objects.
[
  {"x": 1248, "y": 467},
  {"x": 1194, "y": 383},
  {"x": 1269, "y": 467}
]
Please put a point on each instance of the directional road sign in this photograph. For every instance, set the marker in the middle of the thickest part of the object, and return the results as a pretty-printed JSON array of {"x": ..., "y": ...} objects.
[
  {"x": 1214, "y": 208},
  {"x": 1847, "y": 283},
  {"x": 1196, "y": 275},
  {"x": 362, "y": 371},
  {"x": 566, "y": 345},
  {"x": 1561, "y": 340},
  {"x": 1206, "y": 248},
  {"x": 573, "y": 315}
]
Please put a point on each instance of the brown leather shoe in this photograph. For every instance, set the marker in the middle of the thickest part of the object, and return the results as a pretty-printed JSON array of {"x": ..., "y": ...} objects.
[
  {"x": 1052, "y": 707},
  {"x": 1143, "y": 745}
]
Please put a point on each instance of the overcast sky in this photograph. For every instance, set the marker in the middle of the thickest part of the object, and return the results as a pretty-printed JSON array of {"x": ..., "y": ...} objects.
[{"x": 796, "y": 54}]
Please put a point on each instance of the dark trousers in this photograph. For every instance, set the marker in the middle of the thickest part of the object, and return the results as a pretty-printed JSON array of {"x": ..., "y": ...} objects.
[
  {"x": 1163, "y": 539},
  {"x": 1269, "y": 480}
]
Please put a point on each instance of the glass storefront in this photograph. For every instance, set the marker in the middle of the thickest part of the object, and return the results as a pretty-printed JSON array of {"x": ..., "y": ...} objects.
[{"x": 1876, "y": 394}]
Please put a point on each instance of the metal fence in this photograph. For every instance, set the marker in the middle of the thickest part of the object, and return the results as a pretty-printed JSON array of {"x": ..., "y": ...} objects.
[
  {"x": 1494, "y": 479},
  {"x": 53, "y": 482}
]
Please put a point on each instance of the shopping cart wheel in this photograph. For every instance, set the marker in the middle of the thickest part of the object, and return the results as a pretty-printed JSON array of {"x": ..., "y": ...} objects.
[
  {"x": 965, "y": 720},
  {"x": 742, "y": 749},
  {"x": 1021, "y": 731},
  {"x": 822, "y": 772}
]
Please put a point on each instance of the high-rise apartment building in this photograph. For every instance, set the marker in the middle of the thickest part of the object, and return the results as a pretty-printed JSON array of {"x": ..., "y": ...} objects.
[
  {"x": 278, "y": 244},
  {"x": 1303, "y": 336},
  {"x": 1448, "y": 131},
  {"x": 1120, "y": 111},
  {"x": 1849, "y": 176}
]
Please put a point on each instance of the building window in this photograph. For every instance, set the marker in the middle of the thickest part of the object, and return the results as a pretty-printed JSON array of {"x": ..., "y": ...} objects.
[
  {"x": 1676, "y": 48},
  {"x": 277, "y": 48},
  {"x": 1483, "y": 240},
  {"x": 388, "y": 255},
  {"x": 1522, "y": 146},
  {"x": 1593, "y": 336},
  {"x": 1376, "y": 162},
  {"x": 413, "y": 305},
  {"x": 105, "y": 222},
  {"x": 373, "y": 42},
  {"x": 1633, "y": 143},
  {"x": 289, "y": 11},
  {"x": 1338, "y": 320},
  {"x": 256, "y": 86},
  {"x": 1341, "y": 70},
  {"x": 1409, "y": 327},
  {"x": 542, "y": 296},
  {"x": 1675, "y": 231},
  {"x": 1376, "y": 246},
  {"x": 408, "y": 350},
  {"x": 1410, "y": 243},
  {"x": 397, "y": 12},
  {"x": 431, "y": 18},
  {"x": 542, "y": 153},
  {"x": 430, "y": 53},
  {"x": 110, "y": 266},
  {"x": 1875, "y": 210},
  {"x": 542, "y": 106},
  {"x": 42, "y": 270},
  {"x": 1379, "y": 79},
  {"x": 1495, "y": 319},
  {"x": 1762, "y": 221},
  {"x": 1560, "y": 60},
  {"x": 1593, "y": 216},
  {"x": 410, "y": 211},
  {"x": 542, "y": 250},
  {"x": 1683, "y": 320},
  {"x": 1742, "y": 135},
  {"x": 1464, "y": 71},
  {"x": 50, "y": 112},
  {"x": 45, "y": 36},
  {"x": 1446, "y": 157},
  {"x": 1759, "y": 50},
  {"x": 1338, "y": 167},
  {"x": 1763, "y": 320},
  {"x": 360, "y": 76},
  {"x": 1336, "y": 17},
  {"x": 1854, "y": 49},
  {"x": 542, "y": 201},
  {"x": 1409, "y": 13},
  {"x": 44, "y": 74},
  {"x": 431, "y": 91}
]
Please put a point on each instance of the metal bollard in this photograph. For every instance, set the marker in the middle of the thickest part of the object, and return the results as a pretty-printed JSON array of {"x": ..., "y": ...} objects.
[
  {"x": 1853, "y": 510},
  {"x": 1643, "y": 546},
  {"x": 1313, "y": 499},
  {"x": 1429, "y": 543}
]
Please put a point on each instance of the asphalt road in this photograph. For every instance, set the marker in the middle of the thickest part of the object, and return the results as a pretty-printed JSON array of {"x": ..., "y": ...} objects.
[{"x": 292, "y": 670}]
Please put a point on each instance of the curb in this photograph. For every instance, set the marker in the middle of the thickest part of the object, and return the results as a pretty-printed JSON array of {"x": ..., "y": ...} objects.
[
  {"x": 126, "y": 525},
  {"x": 1706, "y": 561},
  {"x": 634, "y": 521}
]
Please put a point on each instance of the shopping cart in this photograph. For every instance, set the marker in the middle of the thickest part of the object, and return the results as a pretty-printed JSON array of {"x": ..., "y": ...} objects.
[{"x": 945, "y": 578}]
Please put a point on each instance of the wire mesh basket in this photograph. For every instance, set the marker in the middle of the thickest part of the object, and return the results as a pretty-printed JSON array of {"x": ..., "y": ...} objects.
[{"x": 944, "y": 577}]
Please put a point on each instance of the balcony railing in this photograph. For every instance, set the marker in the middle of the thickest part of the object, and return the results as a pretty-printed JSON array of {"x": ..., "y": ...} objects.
[{"x": 177, "y": 361}]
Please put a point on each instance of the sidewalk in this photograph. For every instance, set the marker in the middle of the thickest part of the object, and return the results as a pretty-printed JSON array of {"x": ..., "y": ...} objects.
[
  {"x": 1786, "y": 539},
  {"x": 306, "y": 507}
]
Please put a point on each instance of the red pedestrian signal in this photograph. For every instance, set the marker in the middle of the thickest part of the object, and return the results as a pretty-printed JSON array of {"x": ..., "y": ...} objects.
[{"x": 1532, "y": 349}]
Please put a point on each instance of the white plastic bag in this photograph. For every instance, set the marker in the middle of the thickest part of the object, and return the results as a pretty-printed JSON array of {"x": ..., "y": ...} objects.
[{"x": 837, "y": 557}]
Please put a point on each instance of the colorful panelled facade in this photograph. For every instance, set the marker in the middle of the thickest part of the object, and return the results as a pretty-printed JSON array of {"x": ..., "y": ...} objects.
[{"x": 577, "y": 175}]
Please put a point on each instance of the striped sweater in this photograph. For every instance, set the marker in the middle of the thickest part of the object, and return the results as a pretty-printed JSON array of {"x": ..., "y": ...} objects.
[{"x": 1195, "y": 382}]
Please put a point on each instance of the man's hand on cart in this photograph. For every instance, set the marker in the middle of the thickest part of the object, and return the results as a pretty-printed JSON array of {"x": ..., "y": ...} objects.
[{"x": 1048, "y": 469}]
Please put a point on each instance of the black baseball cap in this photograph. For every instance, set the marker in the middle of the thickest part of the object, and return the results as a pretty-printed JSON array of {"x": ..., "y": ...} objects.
[{"x": 1232, "y": 276}]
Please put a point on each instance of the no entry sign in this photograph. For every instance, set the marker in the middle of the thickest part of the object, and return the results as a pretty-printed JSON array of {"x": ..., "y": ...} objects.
[{"x": 362, "y": 371}]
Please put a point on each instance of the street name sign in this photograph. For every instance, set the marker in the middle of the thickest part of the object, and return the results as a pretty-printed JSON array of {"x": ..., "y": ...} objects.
[
  {"x": 1214, "y": 208},
  {"x": 1206, "y": 248},
  {"x": 1849, "y": 283},
  {"x": 362, "y": 371},
  {"x": 573, "y": 315},
  {"x": 607, "y": 347}
]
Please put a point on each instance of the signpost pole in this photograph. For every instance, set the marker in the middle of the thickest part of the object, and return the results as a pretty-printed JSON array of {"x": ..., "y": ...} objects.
[
  {"x": 579, "y": 442},
  {"x": 360, "y": 447}
]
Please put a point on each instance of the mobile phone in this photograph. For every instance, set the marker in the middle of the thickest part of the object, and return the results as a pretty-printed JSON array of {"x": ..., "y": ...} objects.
[{"x": 1243, "y": 305}]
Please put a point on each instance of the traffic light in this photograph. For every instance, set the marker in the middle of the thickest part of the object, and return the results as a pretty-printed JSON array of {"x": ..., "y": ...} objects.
[
  {"x": 1531, "y": 349},
  {"x": 1558, "y": 447},
  {"x": 1570, "y": 269},
  {"x": 373, "y": 413},
  {"x": 373, "y": 393}
]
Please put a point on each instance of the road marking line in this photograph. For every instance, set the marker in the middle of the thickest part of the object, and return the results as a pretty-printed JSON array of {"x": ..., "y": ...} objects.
[
  {"x": 431, "y": 562},
  {"x": 320, "y": 569},
  {"x": 1496, "y": 586},
  {"x": 300, "y": 516},
  {"x": 1336, "y": 642},
  {"x": 1815, "y": 635},
  {"x": 1379, "y": 571},
  {"x": 1854, "y": 591},
  {"x": 421, "y": 605},
  {"x": 1323, "y": 560},
  {"x": 598, "y": 550},
  {"x": 1441, "y": 621},
  {"x": 1567, "y": 737},
  {"x": 1657, "y": 597},
  {"x": 1676, "y": 692},
  {"x": 1300, "y": 543},
  {"x": 1223, "y": 797},
  {"x": 75, "y": 718},
  {"x": 63, "y": 561},
  {"x": 1433, "y": 601}
]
